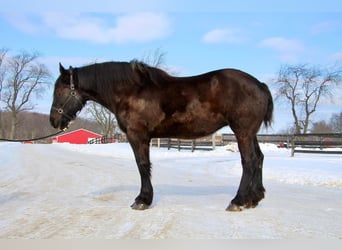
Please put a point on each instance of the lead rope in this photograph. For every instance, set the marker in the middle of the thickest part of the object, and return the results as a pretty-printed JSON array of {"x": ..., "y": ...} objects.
[{"x": 33, "y": 139}]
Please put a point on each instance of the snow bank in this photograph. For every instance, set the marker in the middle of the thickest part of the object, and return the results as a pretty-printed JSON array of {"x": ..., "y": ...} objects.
[{"x": 308, "y": 169}]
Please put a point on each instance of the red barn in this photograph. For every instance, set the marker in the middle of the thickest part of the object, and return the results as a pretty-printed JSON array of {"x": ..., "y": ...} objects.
[{"x": 79, "y": 136}]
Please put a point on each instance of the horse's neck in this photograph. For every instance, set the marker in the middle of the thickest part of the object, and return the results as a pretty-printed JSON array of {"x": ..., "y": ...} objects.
[{"x": 90, "y": 83}]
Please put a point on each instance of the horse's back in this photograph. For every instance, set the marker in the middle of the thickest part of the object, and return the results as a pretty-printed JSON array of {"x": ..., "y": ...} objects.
[{"x": 199, "y": 105}]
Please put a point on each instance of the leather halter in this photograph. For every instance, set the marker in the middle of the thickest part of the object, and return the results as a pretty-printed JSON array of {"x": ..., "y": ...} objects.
[{"x": 72, "y": 94}]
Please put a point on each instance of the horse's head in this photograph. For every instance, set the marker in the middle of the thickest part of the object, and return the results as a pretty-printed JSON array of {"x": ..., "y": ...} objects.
[{"x": 67, "y": 99}]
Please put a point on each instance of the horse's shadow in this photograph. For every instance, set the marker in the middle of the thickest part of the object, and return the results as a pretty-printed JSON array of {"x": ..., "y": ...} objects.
[
  {"x": 162, "y": 191},
  {"x": 5, "y": 198},
  {"x": 204, "y": 190},
  {"x": 171, "y": 189}
]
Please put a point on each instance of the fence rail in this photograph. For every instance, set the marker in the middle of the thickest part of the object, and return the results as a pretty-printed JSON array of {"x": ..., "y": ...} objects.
[
  {"x": 103, "y": 140},
  {"x": 299, "y": 143},
  {"x": 205, "y": 143},
  {"x": 316, "y": 143}
]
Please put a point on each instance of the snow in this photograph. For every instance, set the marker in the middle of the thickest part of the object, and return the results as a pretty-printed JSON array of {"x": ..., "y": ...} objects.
[{"x": 61, "y": 191}]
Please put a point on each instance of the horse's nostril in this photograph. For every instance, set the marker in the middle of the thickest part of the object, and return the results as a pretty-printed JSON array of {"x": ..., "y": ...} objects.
[{"x": 52, "y": 122}]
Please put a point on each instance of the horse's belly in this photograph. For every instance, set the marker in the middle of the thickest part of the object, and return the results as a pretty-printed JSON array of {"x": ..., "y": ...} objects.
[{"x": 187, "y": 125}]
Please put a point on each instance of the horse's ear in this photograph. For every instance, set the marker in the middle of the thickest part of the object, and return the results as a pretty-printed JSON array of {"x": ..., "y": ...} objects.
[{"x": 62, "y": 69}]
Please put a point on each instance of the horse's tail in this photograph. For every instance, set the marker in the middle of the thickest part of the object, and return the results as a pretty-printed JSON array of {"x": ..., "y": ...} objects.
[{"x": 269, "y": 112}]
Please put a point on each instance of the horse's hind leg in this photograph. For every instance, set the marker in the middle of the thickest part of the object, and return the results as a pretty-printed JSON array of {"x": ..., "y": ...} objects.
[
  {"x": 257, "y": 190},
  {"x": 251, "y": 190}
]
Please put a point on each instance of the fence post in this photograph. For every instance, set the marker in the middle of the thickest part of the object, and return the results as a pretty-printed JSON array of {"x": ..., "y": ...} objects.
[
  {"x": 293, "y": 145},
  {"x": 213, "y": 141}
]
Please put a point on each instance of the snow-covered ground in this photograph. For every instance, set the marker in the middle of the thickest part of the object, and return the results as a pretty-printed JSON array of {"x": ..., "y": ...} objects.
[{"x": 84, "y": 191}]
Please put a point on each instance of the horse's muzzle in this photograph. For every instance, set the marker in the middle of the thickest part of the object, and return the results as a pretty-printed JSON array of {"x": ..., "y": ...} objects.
[{"x": 58, "y": 121}]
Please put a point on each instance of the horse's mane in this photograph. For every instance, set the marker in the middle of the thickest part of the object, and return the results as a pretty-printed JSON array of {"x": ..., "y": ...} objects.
[
  {"x": 108, "y": 78},
  {"x": 123, "y": 74},
  {"x": 149, "y": 74}
]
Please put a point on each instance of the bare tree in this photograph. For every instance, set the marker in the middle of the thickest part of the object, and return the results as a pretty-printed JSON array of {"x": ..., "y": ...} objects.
[
  {"x": 24, "y": 76},
  {"x": 104, "y": 118},
  {"x": 303, "y": 87},
  {"x": 3, "y": 53},
  {"x": 155, "y": 58},
  {"x": 321, "y": 127},
  {"x": 336, "y": 122}
]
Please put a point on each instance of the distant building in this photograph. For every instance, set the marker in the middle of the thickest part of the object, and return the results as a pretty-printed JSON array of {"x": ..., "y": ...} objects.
[{"x": 79, "y": 136}]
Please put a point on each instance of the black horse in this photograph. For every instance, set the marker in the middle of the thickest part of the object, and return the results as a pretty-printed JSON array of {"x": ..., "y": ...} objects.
[{"x": 149, "y": 103}]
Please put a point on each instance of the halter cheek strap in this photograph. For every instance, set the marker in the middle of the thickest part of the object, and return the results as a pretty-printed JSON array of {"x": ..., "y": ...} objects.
[{"x": 72, "y": 85}]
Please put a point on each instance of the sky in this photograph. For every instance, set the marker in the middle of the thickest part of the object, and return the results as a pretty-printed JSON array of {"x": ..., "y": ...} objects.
[{"x": 196, "y": 36}]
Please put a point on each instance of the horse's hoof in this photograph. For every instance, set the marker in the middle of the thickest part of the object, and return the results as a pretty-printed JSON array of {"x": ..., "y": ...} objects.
[
  {"x": 139, "y": 206},
  {"x": 234, "y": 208}
]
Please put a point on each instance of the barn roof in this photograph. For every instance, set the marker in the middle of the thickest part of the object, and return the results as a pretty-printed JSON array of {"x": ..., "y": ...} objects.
[{"x": 77, "y": 130}]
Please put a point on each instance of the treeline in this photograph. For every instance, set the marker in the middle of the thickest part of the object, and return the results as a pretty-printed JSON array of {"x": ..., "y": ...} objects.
[
  {"x": 33, "y": 125},
  {"x": 333, "y": 125}
]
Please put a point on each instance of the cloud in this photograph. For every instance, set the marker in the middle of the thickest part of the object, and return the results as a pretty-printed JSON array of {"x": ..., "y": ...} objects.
[
  {"x": 325, "y": 27},
  {"x": 24, "y": 23},
  {"x": 288, "y": 49},
  {"x": 141, "y": 27},
  {"x": 282, "y": 44},
  {"x": 138, "y": 27},
  {"x": 337, "y": 57},
  {"x": 227, "y": 35},
  {"x": 75, "y": 27}
]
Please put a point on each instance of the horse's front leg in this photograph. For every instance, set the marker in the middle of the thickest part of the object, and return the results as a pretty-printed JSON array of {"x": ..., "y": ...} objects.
[{"x": 140, "y": 146}]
